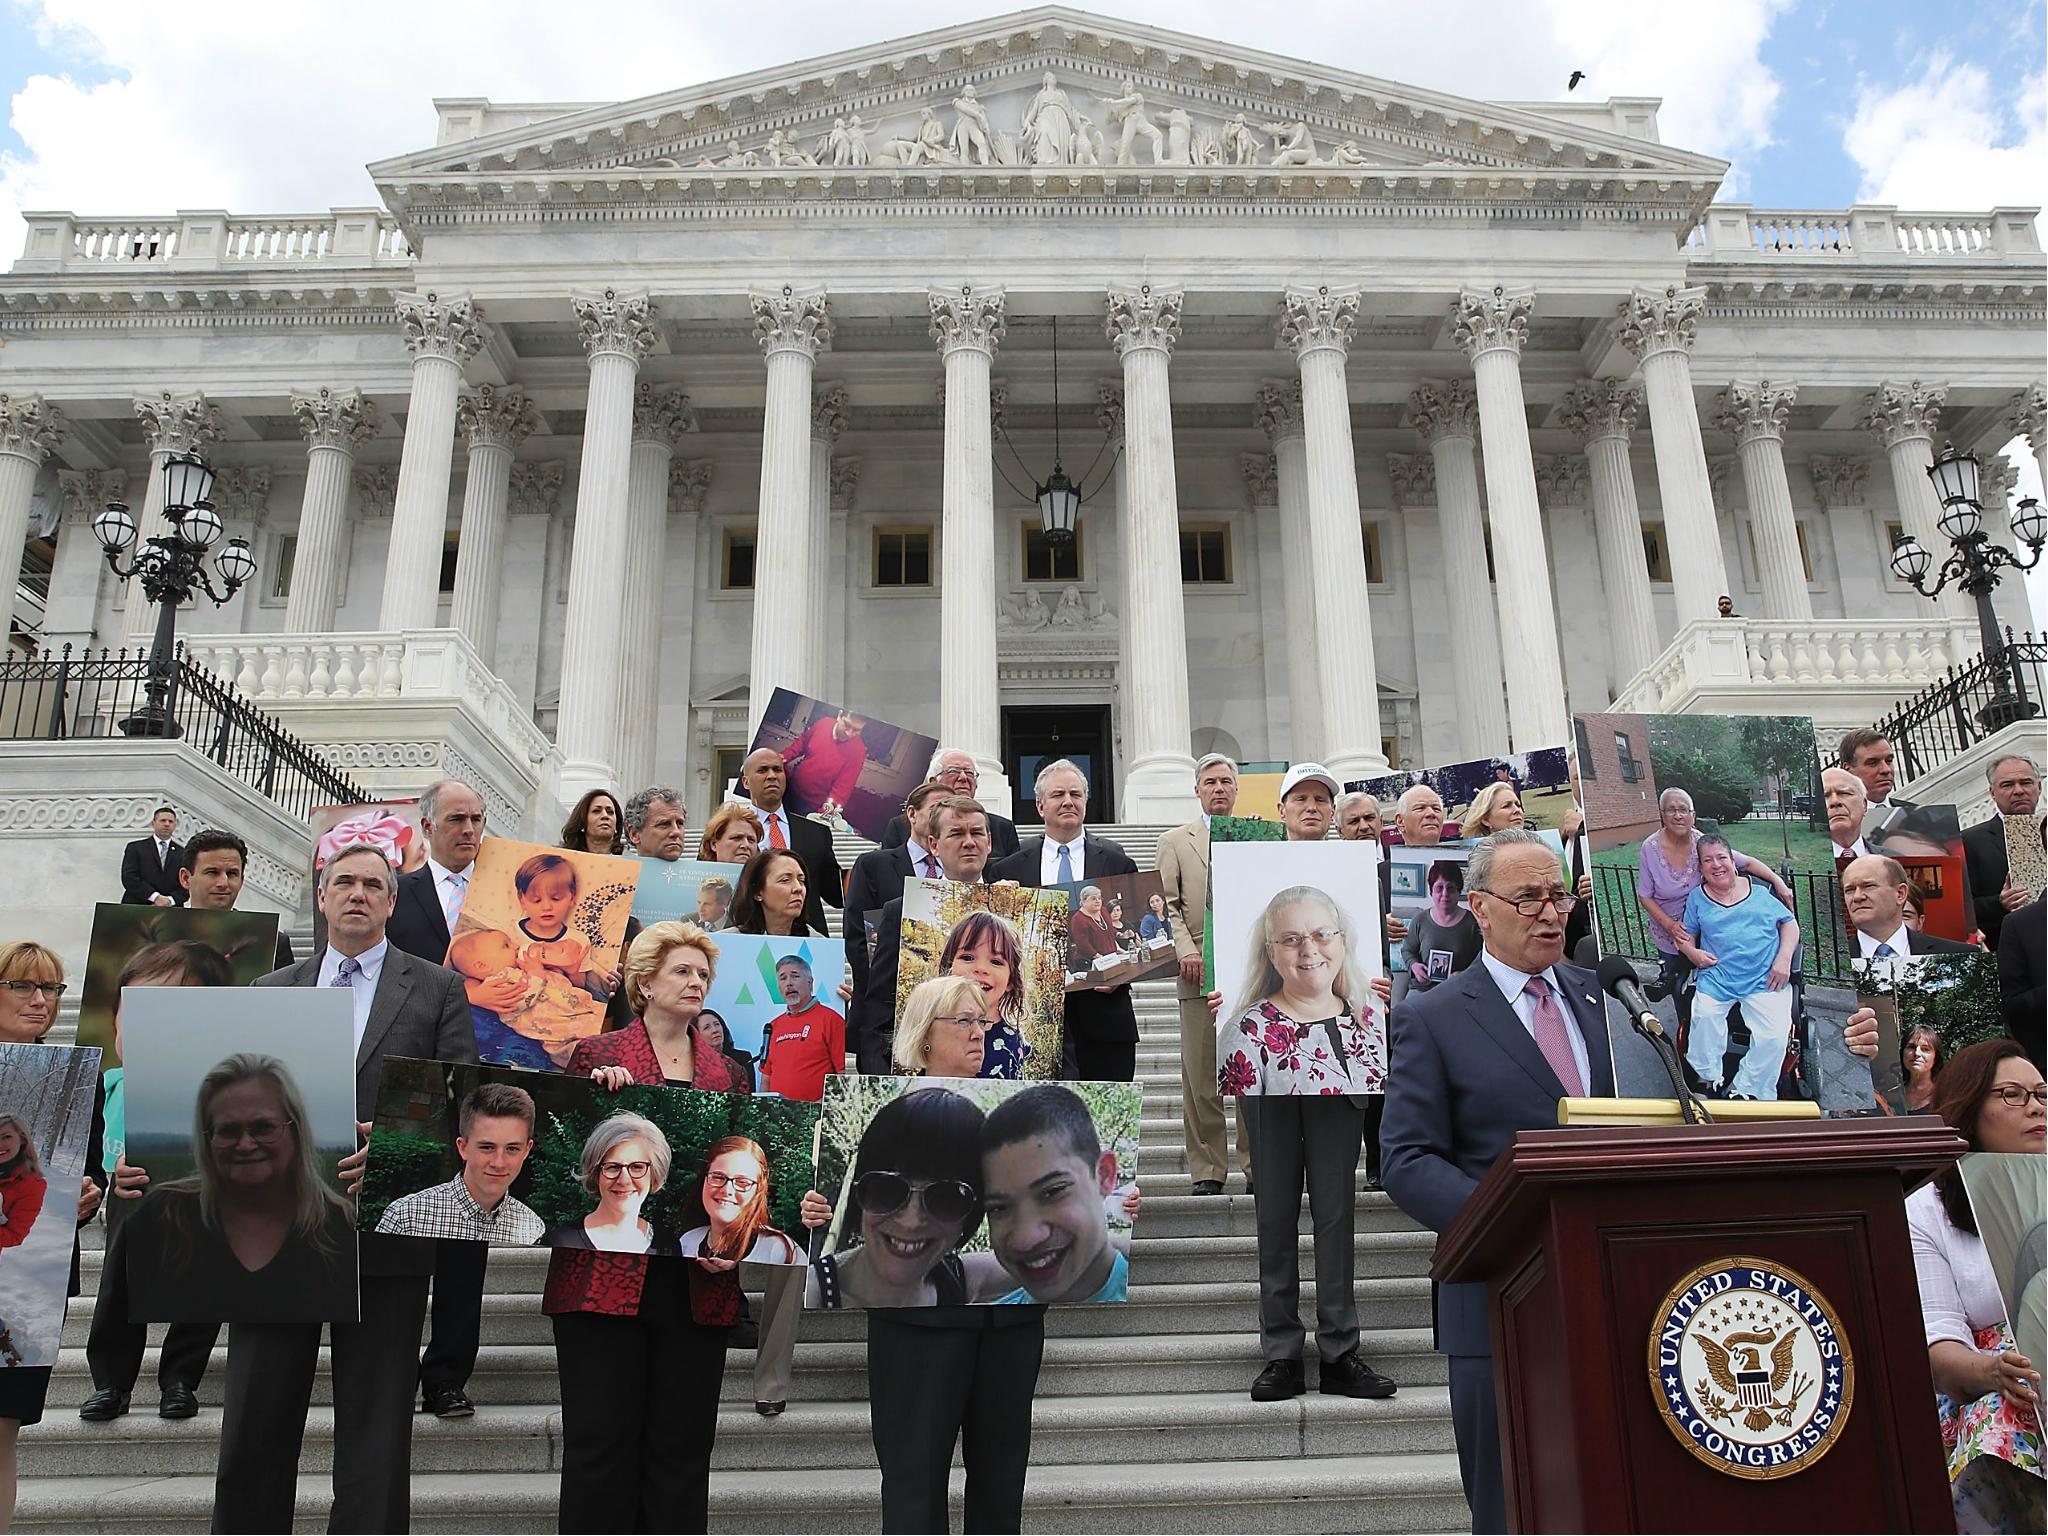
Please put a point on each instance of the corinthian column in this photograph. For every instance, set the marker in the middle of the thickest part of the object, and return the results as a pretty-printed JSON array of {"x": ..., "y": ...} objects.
[
  {"x": 333, "y": 423},
  {"x": 793, "y": 326},
  {"x": 442, "y": 334},
  {"x": 967, "y": 324},
  {"x": 1277, "y": 410},
  {"x": 1446, "y": 418},
  {"x": 661, "y": 419},
  {"x": 170, "y": 424},
  {"x": 1754, "y": 415},
  {"x": 29, "y": 429},
  {"x": 1657, "y": 328},
  {"x": 1491, "y": 327},
  {"x": 617, "y": 333},
  {"x": 494, "y": 422},
  {"x": 2026, "y": 414},
  {"x": 1317, "y": 325},
  {"x": 1905, "y": 417},
  {"x": 1159, "y": 771},
  {"x": 1603, "y": 413},
  {"x": 828, "y": 421}
]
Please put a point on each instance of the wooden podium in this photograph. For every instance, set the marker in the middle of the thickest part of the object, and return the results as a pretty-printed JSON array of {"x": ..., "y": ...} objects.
[{"x": 1581, "y": 1236}]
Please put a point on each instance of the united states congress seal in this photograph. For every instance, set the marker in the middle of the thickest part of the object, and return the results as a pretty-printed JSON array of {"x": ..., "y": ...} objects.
[{"x": 1750, "y": 1369}]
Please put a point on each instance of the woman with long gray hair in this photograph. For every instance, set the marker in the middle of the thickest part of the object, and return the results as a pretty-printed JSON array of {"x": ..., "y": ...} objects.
[{"x": 1308, "y": 1022}]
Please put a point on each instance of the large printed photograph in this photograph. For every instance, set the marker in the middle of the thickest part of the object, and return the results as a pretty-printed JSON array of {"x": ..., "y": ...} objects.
[
  {"x": 1118, "y": 930},
  {"x": 845, "y": 768},
  {"x": 46, "y": 1102},
  {"x": 777, "y": 1001},
  {"x": 950, "y": 1191},
  {"x": 1011, "y": 942},
  {"x": 1475, "y": 797}
]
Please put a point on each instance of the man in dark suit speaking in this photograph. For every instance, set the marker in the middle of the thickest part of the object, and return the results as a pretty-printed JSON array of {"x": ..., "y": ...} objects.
[
  {"x": 1487, "y": 1054},
  {"x": 956, "y": 769}
]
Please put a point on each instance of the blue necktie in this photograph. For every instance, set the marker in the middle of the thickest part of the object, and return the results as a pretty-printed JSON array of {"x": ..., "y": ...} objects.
[
  {"x": 1066, "y": 867},
  {"x": 345, "y": 974},
  {"x": 1883, "y": 952}
]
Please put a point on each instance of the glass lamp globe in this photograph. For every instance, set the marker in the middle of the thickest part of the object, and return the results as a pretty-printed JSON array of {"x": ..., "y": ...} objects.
[{"x": 114, "y": 527}]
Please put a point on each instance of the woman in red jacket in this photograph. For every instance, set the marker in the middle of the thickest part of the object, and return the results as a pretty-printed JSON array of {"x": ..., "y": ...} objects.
[{"x": 22, "y": 1185}]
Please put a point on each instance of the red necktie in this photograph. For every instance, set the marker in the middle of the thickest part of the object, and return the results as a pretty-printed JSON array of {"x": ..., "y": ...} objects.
[
  {"x": 775, "y": 837},
  {"x": 931, "y": 867},
  {"x": 1552, "y": 1039}
]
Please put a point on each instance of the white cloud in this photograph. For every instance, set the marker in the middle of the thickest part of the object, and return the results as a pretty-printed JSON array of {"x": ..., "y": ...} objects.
[{"x": 1949, "y": 140}]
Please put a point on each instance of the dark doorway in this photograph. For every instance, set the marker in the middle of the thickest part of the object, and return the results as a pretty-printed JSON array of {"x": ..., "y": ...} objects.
[{"x": 1034, "y": 737}]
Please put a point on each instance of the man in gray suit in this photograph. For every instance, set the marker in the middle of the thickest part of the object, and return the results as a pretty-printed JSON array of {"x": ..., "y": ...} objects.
[{"x": 404, "y": 1006}]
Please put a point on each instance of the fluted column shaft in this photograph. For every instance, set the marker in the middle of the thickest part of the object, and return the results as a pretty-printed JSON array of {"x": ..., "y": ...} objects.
[
  {"x": 170, "y": 424},
  {"x": 1317, "y": 326},
  {"x": 1905, "y": 417},
  {"x": 1755, "y": 414},
  {"x": 1604, "y": 415},
  {"x": 1446, "y": 416},
  {"x": 443, "y": 334},
  {"x": 1657, "y": 328},
  {"x": 660, "y": 419},
  {"x": 1279, "y": 413},
  {"x": 333, "y": 423},
  {"x": 792, "y": 325},
  {"x": 828, "y": 420},
  {"x": 1491, "y": 327},
  {"x": 29, "y": 429},
  {"x": 1159, "y": 769},
  {"x": 616, "y": 335}
]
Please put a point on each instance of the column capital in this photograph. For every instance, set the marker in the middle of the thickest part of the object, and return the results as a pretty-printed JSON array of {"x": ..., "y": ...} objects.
[
  {"x": 1143, "y": 318},
  {"x": 30, "y": 427},
  {"x": 792, "y": 319},
  {"x": 1109, "y": 407},
  {"x": 615, "y": 323},
  {"x": 1752, "y": 411},
  {"x": 2026, "y": 413},
  {"x": 828, "y": 414},
  {"x": 177, "y": 423},
  {"x": 494, "y": 416},
  {"x": 661, "y": 416},
  {"x": 688, "y": 482},
  {"x": 1837, "y": 481},
  {"x": 1997, "y": 479},
  {"x": 1318, "y": 319},
  {"x": 1414, "y": 477},
  {"x": 241, "y": 490},
  {"x": 1654, "y": 322},
  {"x": 536, "y": 487},
  {"x": 440, "y": 325},
  {"x": 1899, "y": 413},
  {"x": 376, "y": 489},
  {"x": 966, "y": 318},
  {"x": 845, "y": 483},
  {"x": 330, "y": 418},
  {"x": 85, "y": 491},
  {"x": 1443, "y": 408},
  {"x": 1493, "y": 320},
  {"x": 1276, "y": 409},
  {"x": 1597, "y": 408},
  {"x": 1261, "y": 478},
  {"x": 1561, "y": 479}
]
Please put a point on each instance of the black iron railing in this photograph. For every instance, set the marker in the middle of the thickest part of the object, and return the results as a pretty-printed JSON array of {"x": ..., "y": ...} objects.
[
  {"x": 1945, "y": 718},
  {"x": 1825, "y": 951},
  {"x": 66, "y": 696}
]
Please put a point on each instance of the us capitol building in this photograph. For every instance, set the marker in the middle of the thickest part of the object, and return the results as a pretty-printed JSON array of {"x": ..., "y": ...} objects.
[{"x": 1408, "y": 423}]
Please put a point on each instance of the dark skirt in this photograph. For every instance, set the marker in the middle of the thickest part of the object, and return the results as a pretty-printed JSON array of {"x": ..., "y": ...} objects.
[{"x": 22, "y": 1391}]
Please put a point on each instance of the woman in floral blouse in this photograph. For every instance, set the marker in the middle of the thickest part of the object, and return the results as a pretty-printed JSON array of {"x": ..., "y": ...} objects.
[{"x": 1308, "y": 1024}]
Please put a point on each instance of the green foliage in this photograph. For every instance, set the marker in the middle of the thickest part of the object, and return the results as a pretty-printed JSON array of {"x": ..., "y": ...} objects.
[
  {"x": 399, "y": 1164},
  {"x": 1955, "y": 995},
  {"x": 1721, "y": 760},
  {"x": 1040, "y": 920}
]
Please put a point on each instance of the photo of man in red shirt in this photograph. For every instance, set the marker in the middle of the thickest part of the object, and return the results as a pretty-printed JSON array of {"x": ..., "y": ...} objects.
[
  {"x": 825, "y": 764},
  {"x": 803, "y": 1044}
]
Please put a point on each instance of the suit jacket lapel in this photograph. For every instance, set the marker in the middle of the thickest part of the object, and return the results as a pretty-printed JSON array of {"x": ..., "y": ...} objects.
[
  {"x": 1491, "y": 1012},
  {"x": 427, "y": 897},
  {"x": 394, "y": 983}
]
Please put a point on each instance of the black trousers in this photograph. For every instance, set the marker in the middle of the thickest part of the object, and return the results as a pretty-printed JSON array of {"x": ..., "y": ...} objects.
[
  {"x": 270, "y": 1386},
  {"x": 639, "y": 1412},
  {"x": 1106, "y": 1061},
  {"x": 458, "y": 1315},
  {"x": 114, "y": 1346},
  {"x": 1312, "y": 1142},
  {"x": 1475, "y": 1419},
  {"x": 931, "y": 1386},
  {"x": 1375, "y": 1103}
]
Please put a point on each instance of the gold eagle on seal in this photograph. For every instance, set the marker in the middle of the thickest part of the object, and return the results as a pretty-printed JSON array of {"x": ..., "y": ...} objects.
[{"x": 1736, "y": 1365}]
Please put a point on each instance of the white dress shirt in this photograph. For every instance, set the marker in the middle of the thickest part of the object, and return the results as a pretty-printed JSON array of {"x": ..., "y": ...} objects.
[
  {"x": 450, "y": 886},
  {"x": 1512, "y": 982},
  {"x": 1049, "y": 860},
  {"x": 918, "y": 855},
  {"x": 1958, "y": 1291},
  {"x": 778, "y": 817},
  {"x": 363, "y": 984},
  {"x": 1855, "y": 850},
  {"x": 1868, "y": 945}
]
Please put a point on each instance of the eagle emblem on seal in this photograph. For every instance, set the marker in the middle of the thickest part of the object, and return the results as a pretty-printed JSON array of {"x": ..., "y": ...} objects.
[{"x": 1736, "y": 1365}]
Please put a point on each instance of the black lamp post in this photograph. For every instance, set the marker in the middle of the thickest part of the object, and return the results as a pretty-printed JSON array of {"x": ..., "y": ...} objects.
[
  {"x": 171, "y": 568},
  {"x": 1974, "y": 564}
]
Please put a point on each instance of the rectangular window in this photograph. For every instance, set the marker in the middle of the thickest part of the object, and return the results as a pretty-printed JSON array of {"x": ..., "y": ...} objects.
[
  {"x": 1487, "y": 535},
  {"x": 736, "y": 565},
  {"x": 1631, "y": 768},
  {"x": 1048, "y": 562},
  {"x": 448, "y": 565},
  {"x": 1585, "y": 745},
  {"x": 1893, "y": 533},
  {"x": 903, "y": 557},
  {"x": 281, "y": 567},
  {"x": 1805, "y": 554},
  {"x": 1655, "y": 553},
  {"x": 1205, "y": 555},
  {"x": 1375, "y": 571}
]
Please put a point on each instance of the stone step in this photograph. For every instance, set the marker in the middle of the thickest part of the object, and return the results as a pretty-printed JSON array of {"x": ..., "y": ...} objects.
[{"x": 1393, "y": 1492}]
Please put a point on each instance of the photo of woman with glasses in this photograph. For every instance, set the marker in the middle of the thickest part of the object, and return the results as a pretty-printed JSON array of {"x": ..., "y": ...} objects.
[
  {"x": 1306, "y": 1020},
  {"x": 255, "y": 1233},
  {"x": 945, "y": 1028},
  {"x": 734, "y": 1193},
  {"x": 625, "y": 1162}
]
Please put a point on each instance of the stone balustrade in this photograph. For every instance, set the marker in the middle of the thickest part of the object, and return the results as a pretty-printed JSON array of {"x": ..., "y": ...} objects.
[
  {"x": 1865, "y": 233},
  {"x": 214, "y": 240}
]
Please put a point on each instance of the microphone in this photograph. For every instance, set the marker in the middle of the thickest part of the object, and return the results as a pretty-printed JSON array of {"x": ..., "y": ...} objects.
[{"x": 1618, "y": 979}]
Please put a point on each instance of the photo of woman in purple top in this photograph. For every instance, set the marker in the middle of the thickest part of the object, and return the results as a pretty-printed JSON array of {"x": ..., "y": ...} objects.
[{"x": 1667, "y": 873}]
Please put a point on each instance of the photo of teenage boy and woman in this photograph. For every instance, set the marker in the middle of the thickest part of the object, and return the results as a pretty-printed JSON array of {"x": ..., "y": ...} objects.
[
  {"x": 845, "y": 769},
  {"x": 537, "y": 947},
  {"x": 240, "y": 1111},
  {"x": 518, "y": 1159},
  {"x": 46, "y": 1113},
  {"x": 937, "y": 1192},
  {"x": 1012, "y": 943},
  {"x": 1118, "y": 930}
]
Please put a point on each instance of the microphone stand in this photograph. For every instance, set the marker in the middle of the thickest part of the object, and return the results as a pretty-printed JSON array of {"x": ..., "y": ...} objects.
[{"x": 1652, "y": 1029}]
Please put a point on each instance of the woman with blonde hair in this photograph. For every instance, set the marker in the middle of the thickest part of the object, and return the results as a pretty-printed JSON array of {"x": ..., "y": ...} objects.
[
  {"x": 945, "y": 1026},
  {"x": 666, "y": 977},
  {"x": 1494, "y": 808},
  {"x": 1308, "y": 1022}
]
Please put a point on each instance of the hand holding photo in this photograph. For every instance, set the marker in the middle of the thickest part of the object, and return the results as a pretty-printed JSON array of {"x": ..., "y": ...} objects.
[{"x": 46, "y": 1111}]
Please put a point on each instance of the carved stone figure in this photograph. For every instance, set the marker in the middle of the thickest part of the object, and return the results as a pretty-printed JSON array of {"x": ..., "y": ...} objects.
[
  {"x": 1069, "y": 614},
  {"x": 972, "y": 140},
  {"x": 1026, "y": 613},
  {"x": 1348, "y": 153},
  {"x": 1180, "y": 137},
  {"x": 1207, "y": 148},
  {"x": 928, "y": 147},
  {"x": 1048, "y": 133},
  {"x": 1240, "y": 143},
  {"x": 783, "y": 150},
  {"x": 1128, "y": 111},
  {"x": 1088, "y": 145},
  {"x": 853, "y": 143},
  {"x": 738, "y": 159},
  {"x": 1293, "y": 143}
]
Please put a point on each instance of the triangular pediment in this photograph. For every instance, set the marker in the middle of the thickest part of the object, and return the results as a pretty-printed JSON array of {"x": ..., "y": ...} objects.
[{"x": 1049, "y": 91}]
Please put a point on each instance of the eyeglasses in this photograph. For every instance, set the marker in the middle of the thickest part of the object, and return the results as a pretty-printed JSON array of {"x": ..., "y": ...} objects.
[
  {"x": 963, "y": 1020},
  {"x": 739, "y": 1186},
  {"x": 884, "y": 1194},
  {"x": 2015, "y": 1097},
  {"x": 28, "y": 989},
  {"x": 634, "y": 1171},
  {"x": 1532, "y": 906},
  {"x": 263, "y": 1132},
  {"x": 1293, "y": 942}
]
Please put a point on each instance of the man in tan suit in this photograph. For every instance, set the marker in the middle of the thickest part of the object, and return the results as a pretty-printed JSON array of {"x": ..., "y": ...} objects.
[{"x": 1184, "y": 871}]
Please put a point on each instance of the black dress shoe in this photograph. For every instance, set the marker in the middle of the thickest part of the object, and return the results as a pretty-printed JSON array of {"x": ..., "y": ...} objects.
[
  {"x": 769, "y": 1410},
  {"x": 178, "y": 1402},
  {"x": 448, "y": 1403},
  {"x": 1280, "y": 1380},
  {"x": 1247, "y": 1183},
  {"x": 1208, "y": 1186},
  {"x": 1372, "y": 1182},
  {"x": 103, "y": 1406},
  {"x": 1350, "y": 1376}
]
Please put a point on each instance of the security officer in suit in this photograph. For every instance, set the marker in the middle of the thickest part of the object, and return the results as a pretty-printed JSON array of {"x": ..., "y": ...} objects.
[
  {"x": 149, "y": 865},
  {"x": 956, "y": 770},
  {"x": 2015, "y": 782},
  {"x": 765, "y": 779}
]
